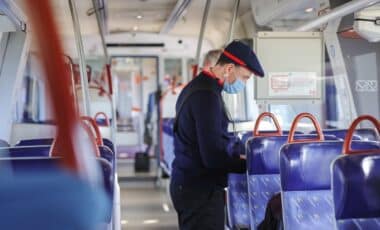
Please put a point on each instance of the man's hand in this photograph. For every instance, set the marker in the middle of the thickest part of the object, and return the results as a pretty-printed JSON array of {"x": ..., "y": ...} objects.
[{"x": 235, "y": 148}]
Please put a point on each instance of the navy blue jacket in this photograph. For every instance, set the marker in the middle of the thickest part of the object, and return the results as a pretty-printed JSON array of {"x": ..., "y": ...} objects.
[{"x": 201, "y": 139}]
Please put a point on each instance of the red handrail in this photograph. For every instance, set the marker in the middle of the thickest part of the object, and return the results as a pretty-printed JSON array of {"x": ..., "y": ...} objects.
[
  {"x": 105, "y": 117},
  {"x": 95, "y": 127},
  {"x": 57, "y": 77},
  {"x": 318, "y": 129},
  {"x": 256, "y": 131},
  {"x": 109, "y": 78},
  {"x": 348, "y": 140}
]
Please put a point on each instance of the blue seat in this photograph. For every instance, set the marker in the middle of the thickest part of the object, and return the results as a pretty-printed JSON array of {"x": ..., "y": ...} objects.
[
  {"x": 3, "y": 143},
  {"x": 20, "y": 167},
  {"x": 249, "y": 135},
  {"x": 356, "y": 191},
  {"x": 365, "y": 134},
  {"x": 306, "y": 183},
  {"x": 49, "y": 141},
  {"x": 25, "y": 151},
  {"x": 237, "y": 201},
  {"x": 263, "y": 166},
  {"x": 50, "y": 199}
]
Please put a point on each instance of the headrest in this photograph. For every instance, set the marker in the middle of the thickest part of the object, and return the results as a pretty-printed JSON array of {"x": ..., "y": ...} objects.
[
  {"x": 355, "y": 182},
  {"x": 263, "y": 153},
  {"x": 3, "y": 143},
  {"x": 26, "y": 151},
  {"x": 33, "y": 142},
  {"x": 306, "y": 166},
  {"x": 359, "y": 134}
]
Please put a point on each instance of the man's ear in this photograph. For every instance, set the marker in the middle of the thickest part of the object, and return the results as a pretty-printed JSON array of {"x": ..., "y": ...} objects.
[{"x": 229, "y": 67}]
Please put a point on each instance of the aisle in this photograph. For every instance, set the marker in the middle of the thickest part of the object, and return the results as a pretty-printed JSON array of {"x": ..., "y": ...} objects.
[{"x": 145, "y": 207}]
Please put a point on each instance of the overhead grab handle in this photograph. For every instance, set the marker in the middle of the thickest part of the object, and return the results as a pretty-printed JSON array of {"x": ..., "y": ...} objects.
[
  {"x": 291, "y": 138},
  {"x": 348, "y": 140},
  {"x": 256, "y": 131}
]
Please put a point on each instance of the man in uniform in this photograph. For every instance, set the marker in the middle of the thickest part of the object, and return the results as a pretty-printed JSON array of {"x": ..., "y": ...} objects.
[{"x": 204, "y": 151}]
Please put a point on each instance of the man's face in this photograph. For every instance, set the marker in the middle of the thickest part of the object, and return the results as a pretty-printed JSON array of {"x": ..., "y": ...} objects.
[{"x": 234, "y": 72}]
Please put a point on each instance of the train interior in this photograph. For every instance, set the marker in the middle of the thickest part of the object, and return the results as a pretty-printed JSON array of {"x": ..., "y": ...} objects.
[{"x": 103, "y": 77}]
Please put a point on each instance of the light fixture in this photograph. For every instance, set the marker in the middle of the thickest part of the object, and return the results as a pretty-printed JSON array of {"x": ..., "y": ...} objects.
[
  {"x": 309, "y": 10},
  {"x": 124, "y": 222},
  {"x": 165, "y": 207},
  {"x": 139, "y": 17},
  {"x": 135, "y": 28},
  {"x": 151, "y": 221}
]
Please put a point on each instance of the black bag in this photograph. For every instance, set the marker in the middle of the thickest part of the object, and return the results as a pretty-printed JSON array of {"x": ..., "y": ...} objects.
[{"x": 142, "y": 162}]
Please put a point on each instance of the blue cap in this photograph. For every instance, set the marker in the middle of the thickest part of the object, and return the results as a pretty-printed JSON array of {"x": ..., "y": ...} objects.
[{"x": 243, "y": 55}]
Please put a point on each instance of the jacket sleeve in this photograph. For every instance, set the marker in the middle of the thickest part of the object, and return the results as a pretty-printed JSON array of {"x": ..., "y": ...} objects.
[{"x": 207, "y": 111}]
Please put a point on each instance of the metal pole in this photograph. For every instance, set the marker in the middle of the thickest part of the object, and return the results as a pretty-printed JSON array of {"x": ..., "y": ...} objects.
[
  {"x": 336, "y": 13},
  {"x": 202, "y": 32},
  {"x": 233, "y": 21},
  {"x": 101, "y": 31},
  {"x": 82, "y": 58},
  {"x": 108, "y": 61}
]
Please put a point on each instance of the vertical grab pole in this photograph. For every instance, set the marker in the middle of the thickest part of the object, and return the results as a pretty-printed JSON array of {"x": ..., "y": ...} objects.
[
  {"x": 201, "y": 34},
  {"x": 82, "y": 58},
  {"x": 233, "y": 21}
]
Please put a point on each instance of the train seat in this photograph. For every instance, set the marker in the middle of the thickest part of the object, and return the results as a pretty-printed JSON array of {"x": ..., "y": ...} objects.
[
  {"x": 248, "y": 135},
  {"x": 4, "y": 143},
  {"x": 55, "y": 200},
  {"x": 49, "y": 141},
  {"x": 355, "y": 185},
  {"x": 306, "y": 196},
  {"x": 263, "y": 166},
  {"x": 365, "y": 134},
  {"x": 237, "y": 205},
  {"x": 21, "y": 166}
]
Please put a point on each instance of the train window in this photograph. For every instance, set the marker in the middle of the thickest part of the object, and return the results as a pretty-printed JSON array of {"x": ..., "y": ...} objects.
[
  {"x": 173, "y": 71},
  {"x": 137, "y": 78}
]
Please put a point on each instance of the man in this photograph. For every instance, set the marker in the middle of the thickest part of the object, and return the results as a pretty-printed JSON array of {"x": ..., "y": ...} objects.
[
  {"x": 211, "y": 58},
  {"x": 204, "y": 152}
]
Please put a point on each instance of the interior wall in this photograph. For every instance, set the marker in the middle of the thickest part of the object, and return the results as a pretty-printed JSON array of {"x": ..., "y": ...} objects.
[{"x": 362, "y": 61}]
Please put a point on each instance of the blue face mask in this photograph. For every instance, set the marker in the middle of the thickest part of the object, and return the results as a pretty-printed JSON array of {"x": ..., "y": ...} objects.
[{"x": 235, "y": 87}]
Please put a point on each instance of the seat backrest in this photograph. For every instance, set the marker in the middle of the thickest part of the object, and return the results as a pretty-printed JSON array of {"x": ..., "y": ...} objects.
[
  {"x": 26, "y": 197},
  {"x": 39, "y": 147},
  {"x": 356, "y": 191},
  {"x": 25, "y": 151},
  {"x": 365, "y": 134},
  {"x": 3, "y": 143},
  {"x": 22, "y": 166},
  {"x": 263, "y": 166},
  {"x": 33, "y": 142},
  {"x": 306, "y": 183}
]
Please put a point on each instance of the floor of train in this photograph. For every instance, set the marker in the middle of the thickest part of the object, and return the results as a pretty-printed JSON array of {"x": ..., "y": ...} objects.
[{"x": 146, "y": 205}]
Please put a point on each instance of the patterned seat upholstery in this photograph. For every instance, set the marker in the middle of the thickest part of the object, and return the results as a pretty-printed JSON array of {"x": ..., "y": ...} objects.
[
  {"x": 263, "y": 165},
  {"x": 237, "y": 201},
  {"x": 307, "y": 201},
  {"x": 356, "y": 190}
]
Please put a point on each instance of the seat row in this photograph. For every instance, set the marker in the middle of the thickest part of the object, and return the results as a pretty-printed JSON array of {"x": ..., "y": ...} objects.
[
  {"x": 298, "y": 167},
  {"x": 36, "y": 154}
]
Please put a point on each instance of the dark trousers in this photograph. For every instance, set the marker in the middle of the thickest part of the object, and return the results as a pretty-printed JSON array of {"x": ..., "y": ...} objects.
[{"x": 198, "y": 209}]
